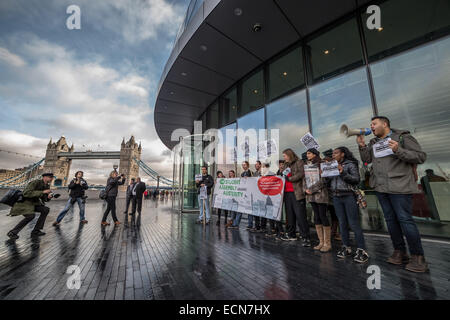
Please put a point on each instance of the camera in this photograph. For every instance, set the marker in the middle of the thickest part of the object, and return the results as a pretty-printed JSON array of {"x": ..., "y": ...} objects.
[
  {"x": 54, "y": 195},
  {"x": 257, "y": 27}
]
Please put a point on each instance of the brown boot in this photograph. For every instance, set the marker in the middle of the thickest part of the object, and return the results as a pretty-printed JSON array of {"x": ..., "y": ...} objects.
[
  {"x": 417, "y": 264},
  {"x": 327, "y": 239},
  {"x": 398, "y": 257},
  {"x": 319, "y": 230}
]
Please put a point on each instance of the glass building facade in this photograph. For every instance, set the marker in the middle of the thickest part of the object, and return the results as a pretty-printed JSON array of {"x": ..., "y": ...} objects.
[{"x": 346, "y": 73}]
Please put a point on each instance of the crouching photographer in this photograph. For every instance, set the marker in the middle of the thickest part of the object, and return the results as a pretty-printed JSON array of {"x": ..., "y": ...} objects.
[
  {"x": 32, "y": 200},
  {"x": 77, "y": 189}
]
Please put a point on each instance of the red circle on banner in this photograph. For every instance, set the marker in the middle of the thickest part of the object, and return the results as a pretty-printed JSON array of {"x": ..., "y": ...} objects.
[{"x": 270, "y": 185}]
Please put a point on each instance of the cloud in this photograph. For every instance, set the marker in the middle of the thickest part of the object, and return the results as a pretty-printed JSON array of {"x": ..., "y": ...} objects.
[
  {"x": 11, "y": 58},
  {"x": 140, "y": 20}
]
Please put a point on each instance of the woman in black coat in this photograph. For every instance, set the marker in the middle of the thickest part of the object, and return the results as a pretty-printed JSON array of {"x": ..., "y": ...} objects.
[{"x": 112, "y": 188}]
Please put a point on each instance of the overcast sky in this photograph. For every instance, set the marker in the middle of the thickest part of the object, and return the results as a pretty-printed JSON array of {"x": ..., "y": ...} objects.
[{"x": 95, "y": 86}]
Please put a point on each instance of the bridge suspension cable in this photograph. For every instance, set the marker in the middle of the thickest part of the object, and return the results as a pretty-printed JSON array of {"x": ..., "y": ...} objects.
[
  {"x": 10, "y": 181},
  {"x": 152, "y": 173}
]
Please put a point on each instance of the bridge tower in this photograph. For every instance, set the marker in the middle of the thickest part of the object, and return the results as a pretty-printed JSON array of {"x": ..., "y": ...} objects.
[
  {"x": 60, "y": 167},
  {"x": 127, "y": 166}
]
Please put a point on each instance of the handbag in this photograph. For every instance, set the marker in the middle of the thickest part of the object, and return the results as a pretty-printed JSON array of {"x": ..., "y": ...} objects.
[{"x": 360, "y": 197}]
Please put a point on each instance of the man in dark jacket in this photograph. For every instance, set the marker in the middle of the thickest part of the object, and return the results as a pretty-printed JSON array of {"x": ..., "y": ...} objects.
[
  {"x": 34, "y": 195},
  {"x": 138, "y": 191},
  {"x": 77, "y": 189},
  {"x": 206, "y": 181},
  {"x": 394, "y": 155},
  {"x": 129, "y": 195}
]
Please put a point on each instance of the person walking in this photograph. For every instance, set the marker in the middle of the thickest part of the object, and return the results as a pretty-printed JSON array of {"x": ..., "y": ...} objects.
[
  {"x": 112, "y": 188},
  {"x": 317, "y": 196},
  {"x": 138, "y": 192},
  {"x": 77, "y": 188},
  {"x": 129, "y": 195},
  {"x": 394, "y": 155},
  {"x": 206, "y": 181},
  {"x": 341, "y": 189},
  {"x": 295, "y": 200},
  {"x": 34, "y": 195}
]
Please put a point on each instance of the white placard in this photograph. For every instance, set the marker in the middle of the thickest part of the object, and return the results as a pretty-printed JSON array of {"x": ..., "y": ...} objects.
[
  {"x": 203, "y": 192},
  {"x": 286, "y": 171},
  {"x": 381, "y": 148},
  {"x": 198, "y": 177},
  {"x": 258, "y": 196},
  {"x": 329, "y": 169},
  {"x": 312, "y": 175},
  {"x": 309, "y": 141}
]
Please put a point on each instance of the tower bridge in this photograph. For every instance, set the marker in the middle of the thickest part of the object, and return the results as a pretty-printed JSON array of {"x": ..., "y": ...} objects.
[{"x": 58, "y": 159}]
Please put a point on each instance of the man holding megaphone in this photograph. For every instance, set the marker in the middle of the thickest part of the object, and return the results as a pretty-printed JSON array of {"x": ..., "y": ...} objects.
[{"x": 394, "y": 155}]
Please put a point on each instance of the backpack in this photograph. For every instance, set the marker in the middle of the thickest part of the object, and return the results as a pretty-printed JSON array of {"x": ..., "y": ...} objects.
[
  {"x": 11, "y": 197},
  {"x": 103, "y": 194}
]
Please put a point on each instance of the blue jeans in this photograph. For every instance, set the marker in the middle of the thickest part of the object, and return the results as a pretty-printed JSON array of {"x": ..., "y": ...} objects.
[
  {"x": 348, "y": 215},
  {"x": 397, "y": 210},
  {"x": 250, "y": 221},
  {"x": 200, "y": 205},
  {"x": 68, "y": 206},
  {"x": 237, "y": 218}
]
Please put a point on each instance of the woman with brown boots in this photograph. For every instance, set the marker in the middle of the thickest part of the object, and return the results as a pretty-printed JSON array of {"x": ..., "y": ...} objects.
[{"x": 317, "y": 195}]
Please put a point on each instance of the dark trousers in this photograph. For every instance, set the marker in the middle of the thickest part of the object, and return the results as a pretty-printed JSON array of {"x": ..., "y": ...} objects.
[
  {"x": 111, "y": 207},
  {"x": 397, "y": 210},
  {"x": 43, "y": 210},
  {"x": 137, "y": 203},
  {"x": 127, "y": 204},
  {"x": 348, "y": 215},
  {"x": 320, "y": 214},
  {"x": 296, "y": 215},
  {"x": 277, "y": 226},
  {"x": 219, "y": 213},
  {"x": 263, "y": 223}
]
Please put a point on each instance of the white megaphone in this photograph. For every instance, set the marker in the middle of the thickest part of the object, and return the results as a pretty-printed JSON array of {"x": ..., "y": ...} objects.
[{"x": 346, "y": 131}]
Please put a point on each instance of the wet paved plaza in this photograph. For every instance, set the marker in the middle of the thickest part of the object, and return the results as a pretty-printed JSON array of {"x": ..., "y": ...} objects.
[{"x": 164, "y": 255}]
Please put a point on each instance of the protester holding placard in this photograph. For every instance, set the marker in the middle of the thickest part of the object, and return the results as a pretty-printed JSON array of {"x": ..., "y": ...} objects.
[
  {"x": 294, "y": 198},
  {"x": 317, "y": 195},
  {"x": 341, "y": 189},
  {"x": 235, "y": 216},
  {"x": 394, "y": 178},
  {"x": 277, "y": 226},
  {"x": 260, "y": 222},
  {"x": 219, "y": 211},
  {"x": 205, "y": 181},
  {"x": 247, "y": 173},
  {"x": 328, "y": 156}
]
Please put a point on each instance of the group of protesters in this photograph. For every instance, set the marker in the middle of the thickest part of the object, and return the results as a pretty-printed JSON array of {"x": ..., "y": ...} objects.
[{"x": 393, "y": 177}]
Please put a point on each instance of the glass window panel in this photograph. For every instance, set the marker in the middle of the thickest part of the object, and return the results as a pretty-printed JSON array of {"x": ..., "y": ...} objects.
[
  {"x": 226, "y": 146},
  {"x": 252, "y": 93},
  {"x": 228, "y": 107},
  {"x": 290, "y": 116},
  {"x": 204, "y": 122},
  {"x": 254, "y": 120},
  {"x": 413, "y": 91},
  {"x": 212, "y": 116},
  {"x": 405, "y": 20},
  {"x": 344, "y": 99},
  {"x": 286, "y": 73},
  {"x": 335, "y": 50}
]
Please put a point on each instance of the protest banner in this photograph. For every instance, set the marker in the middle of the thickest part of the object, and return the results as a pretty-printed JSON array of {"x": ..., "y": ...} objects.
[
  {"x": 259, "y": 196},
  {"x": 312, "y": 175}
]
